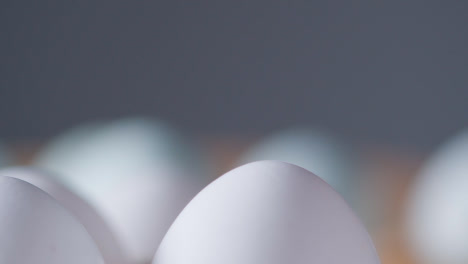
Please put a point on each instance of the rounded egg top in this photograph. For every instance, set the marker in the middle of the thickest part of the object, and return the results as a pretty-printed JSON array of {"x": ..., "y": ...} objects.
[
  {"x": 36, "y": 229},
  {"x": 267, "y": 212}
]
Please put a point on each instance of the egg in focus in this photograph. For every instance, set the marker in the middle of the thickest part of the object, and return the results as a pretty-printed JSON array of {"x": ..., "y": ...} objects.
[
  {"x": 36, "y": 229},
  {"x": 88, "y": 217},
  {"x": 267, "y": 212}
]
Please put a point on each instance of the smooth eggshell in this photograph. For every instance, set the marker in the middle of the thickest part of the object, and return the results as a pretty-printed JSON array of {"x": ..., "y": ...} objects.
[
  {"x": 85, "y": 213},
  {"x": 36, "y": 229},
  {"x": 267, "y": 212}
]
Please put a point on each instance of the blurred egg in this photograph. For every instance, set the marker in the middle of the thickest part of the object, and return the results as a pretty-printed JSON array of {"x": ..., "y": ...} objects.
[
  {"x": 437, "y": 217},
  {"x": 87, "y": 216},
  {"x": 36, "y": 229},
  {"x": 267, "y": 212},
  {"x": 5, "y": 158},
  {"x": 138, "y": 173},
  {"x": 314, "y": 150}
]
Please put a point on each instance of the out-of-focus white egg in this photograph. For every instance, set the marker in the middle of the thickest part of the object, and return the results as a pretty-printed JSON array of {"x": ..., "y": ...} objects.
[
  {"x": 267, "y": 212},
  {"x": 159, "y": 202},
  {"x": 94, "y": 224},
  {"x": 315, "y": 151},
  {"x": 437, "y": 217},
  {"x": 36, "y": 229},
  {"x": 138, "y": 173},
  {"x": 5, "y": 158}
]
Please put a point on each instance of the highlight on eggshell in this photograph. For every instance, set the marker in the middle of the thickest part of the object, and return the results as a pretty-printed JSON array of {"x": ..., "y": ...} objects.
[
  {"x": 138, "y": 173},
  {"x": 35, "y": 228},
  {"x": 437, "y": 212},
  {"x": 94, "y": 224},
  {"x": 267, "y": 212}
]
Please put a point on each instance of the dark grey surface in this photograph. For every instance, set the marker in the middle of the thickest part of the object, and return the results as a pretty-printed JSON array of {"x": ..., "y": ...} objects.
[{"x": 389, "y": 73}]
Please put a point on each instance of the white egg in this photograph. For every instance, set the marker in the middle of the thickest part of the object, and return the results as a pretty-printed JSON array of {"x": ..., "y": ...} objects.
[
  {"x": 94, "y": 224},
  {"x": 36, "y": 229},
  {"x": 267, "y": 212},
  {"x": 314, "y": 150},
  {"x": 138, "y": 173},
  {"x": 5, "y": 158},
  {"x": 437, "y": 218}
]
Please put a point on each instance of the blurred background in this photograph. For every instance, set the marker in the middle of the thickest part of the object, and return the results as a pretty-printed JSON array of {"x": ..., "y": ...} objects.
[{"x": 387, "y": 78}]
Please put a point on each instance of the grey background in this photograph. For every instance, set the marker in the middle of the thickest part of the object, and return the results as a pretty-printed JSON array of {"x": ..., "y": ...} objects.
[{"x": 374, "y": 72}]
